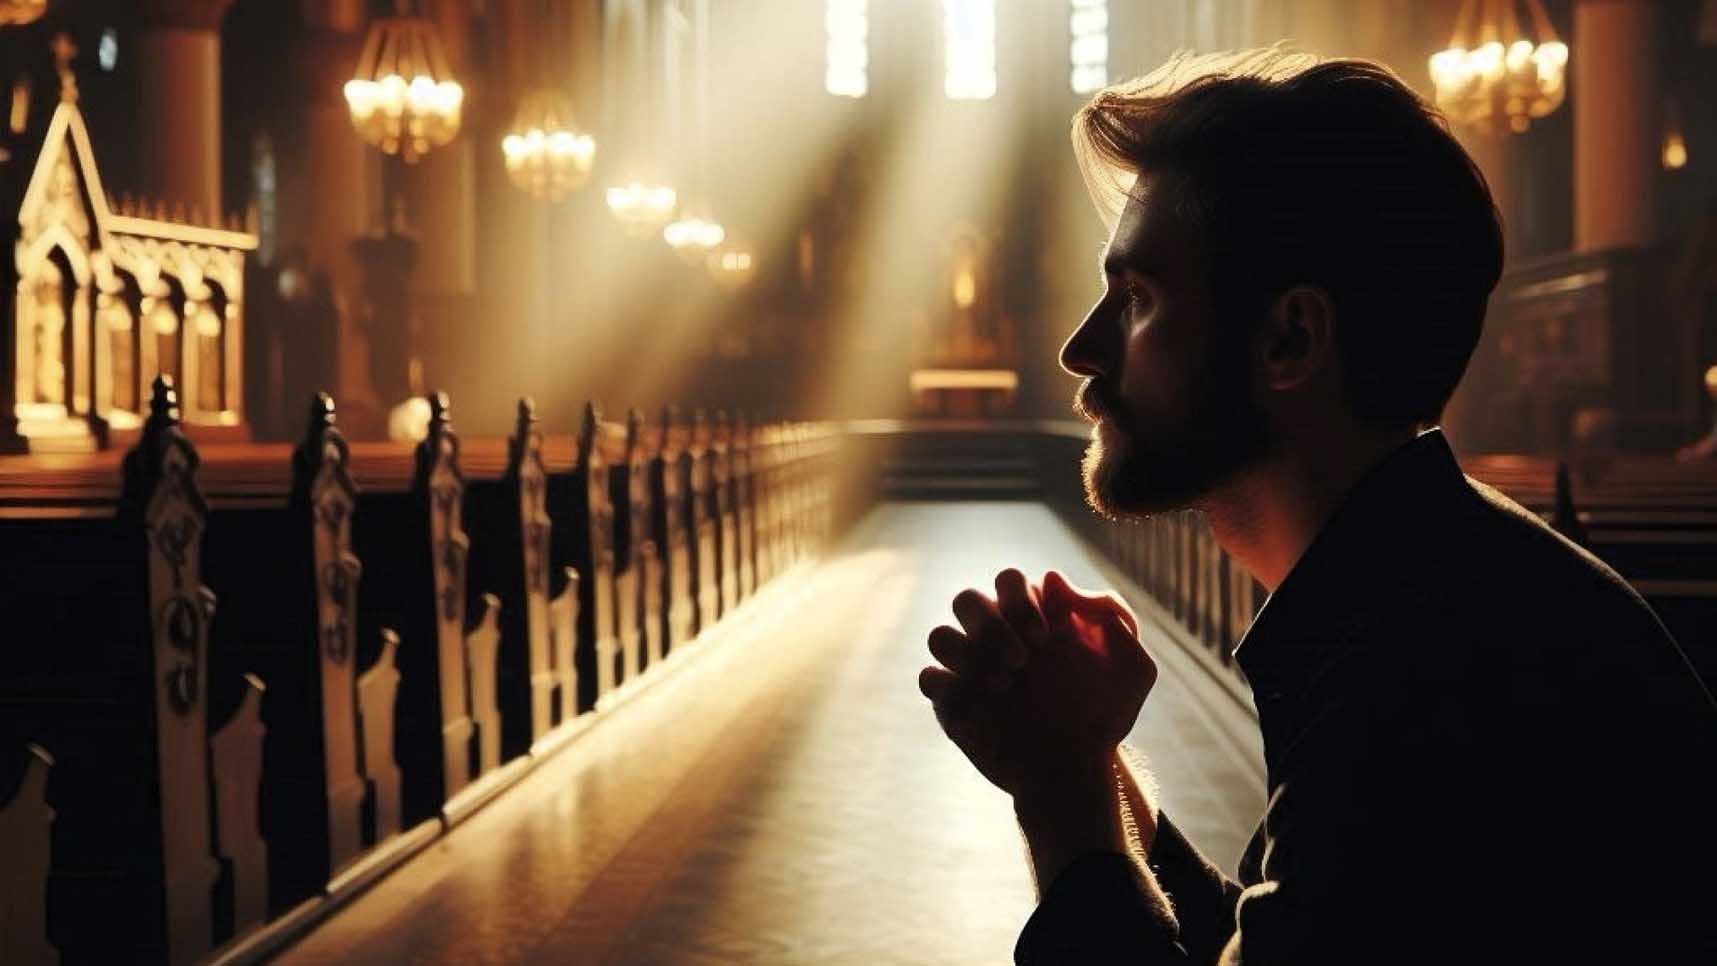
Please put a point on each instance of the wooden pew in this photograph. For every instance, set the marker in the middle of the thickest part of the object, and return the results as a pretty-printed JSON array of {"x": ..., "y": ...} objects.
[
  {"x": 26, "y": 829},
  {"x": 744, "y": 507},
  {"x": 724, "y": 510},
  {"x": 141, "y": 806},
  {"x": 703, "y": 524},
  {"x": 638, "y": 577},
  {"x": 671, "y": 515},
  {"x": 512, "y": 559},
  {"x": 581, "y": 508},
  {"x": 289, "y": 616},
  {"x": 411, "y": 532}
]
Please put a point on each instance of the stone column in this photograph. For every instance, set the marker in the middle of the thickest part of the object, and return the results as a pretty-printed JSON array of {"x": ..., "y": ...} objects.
[
  {"x": 339, "y": 192},
  {"x": 177, "y": 52},
  {"x": 1617, "y": 95}
]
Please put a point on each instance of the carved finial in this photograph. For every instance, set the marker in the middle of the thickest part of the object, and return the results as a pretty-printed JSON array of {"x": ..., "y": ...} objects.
[
  {"x": 64, "y": 53},
  {"x": 160, "y": 210},
  {"x": 592, "y": 417},
  {"x": 634, "y": 432},
  {"x": 322, "y": 442},
  {"x": 670, "y": 416},
  {"x": 527, "y": 413},
  {"x": 722, "y": 431},
  {"x": 197, "y": 215},
  {"x": 440, "y": 413},
  {"x": 179, "y": 212},
  {"x": 321, "y": 413},
  {"x": 163, "y": 403},
  {"x": 161, "y": 453}
]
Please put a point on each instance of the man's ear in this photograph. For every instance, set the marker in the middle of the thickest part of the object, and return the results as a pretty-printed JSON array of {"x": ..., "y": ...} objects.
[{"x": 1297, "y": 340}]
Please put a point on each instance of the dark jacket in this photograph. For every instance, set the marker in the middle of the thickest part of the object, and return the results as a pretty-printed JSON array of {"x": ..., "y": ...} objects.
[{"x": 1482, "y": 746}]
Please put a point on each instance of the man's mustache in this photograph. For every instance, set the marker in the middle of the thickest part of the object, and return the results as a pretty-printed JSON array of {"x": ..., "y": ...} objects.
[{"x": 1093, "y": 402}]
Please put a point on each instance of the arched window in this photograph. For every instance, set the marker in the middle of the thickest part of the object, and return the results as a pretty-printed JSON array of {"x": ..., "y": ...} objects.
[
  {"x": 847, "y": 65},
  {"x": 969, "y": 49},
  {"x": 1088, "y": 25}
]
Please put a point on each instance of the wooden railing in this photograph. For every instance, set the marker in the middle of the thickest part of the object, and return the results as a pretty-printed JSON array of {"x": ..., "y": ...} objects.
[{"x": 245, "y": 682}]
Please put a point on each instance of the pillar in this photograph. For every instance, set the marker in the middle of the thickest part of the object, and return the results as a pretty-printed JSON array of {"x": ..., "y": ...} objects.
[
  {"x": 338, "y": 195},
  {"x": 1617, "y": 95},
  {"x": 177, "y": 51}
]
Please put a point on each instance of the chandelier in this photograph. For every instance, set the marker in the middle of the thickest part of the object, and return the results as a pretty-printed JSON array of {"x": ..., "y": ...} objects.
[
  {"x": 546, "y": 154},
  {"x": 693, "y": 236},
  {"x": 642, "y": 208},
  {"x": 402, "y": 97},
  {"x": 731, "y": 266},
  {"x": 19, "y": 12},
  {"x": 1505, "y": 75}
]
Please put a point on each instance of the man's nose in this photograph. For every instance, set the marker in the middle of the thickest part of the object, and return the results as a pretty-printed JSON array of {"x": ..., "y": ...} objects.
[{"x": 1083, "y": 354}]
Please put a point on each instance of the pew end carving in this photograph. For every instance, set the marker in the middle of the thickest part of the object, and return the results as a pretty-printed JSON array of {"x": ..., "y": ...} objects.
[
  {"x": 26, "y": 824},
  {"x": 236, "y": 750},
  {"x": 378, "y": 689}
]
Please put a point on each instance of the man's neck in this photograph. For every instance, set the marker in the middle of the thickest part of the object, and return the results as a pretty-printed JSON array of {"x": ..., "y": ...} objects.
[{"x": 1267, "y": 519}]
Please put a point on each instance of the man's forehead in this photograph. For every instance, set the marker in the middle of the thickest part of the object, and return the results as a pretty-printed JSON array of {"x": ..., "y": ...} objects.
[{"x": 1137, "y": 226}]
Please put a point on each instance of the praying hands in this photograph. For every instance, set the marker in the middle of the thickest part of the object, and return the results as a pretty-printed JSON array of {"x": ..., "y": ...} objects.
[{"x": 1038, "y": 687}]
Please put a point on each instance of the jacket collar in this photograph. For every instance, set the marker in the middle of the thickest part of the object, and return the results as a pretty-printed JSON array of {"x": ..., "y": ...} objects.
[{"x": 1355, "y": 570}]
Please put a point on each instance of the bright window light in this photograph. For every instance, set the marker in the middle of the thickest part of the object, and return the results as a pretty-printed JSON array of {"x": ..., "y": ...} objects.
[
  {"x": 847, "y": 73},
  {"x": 1089, "y": 26},
  {"x": 969, "y": 49}
]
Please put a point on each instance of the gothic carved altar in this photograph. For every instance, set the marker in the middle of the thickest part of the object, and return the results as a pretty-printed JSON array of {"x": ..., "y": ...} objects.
[{"x": 105, "y": 297}]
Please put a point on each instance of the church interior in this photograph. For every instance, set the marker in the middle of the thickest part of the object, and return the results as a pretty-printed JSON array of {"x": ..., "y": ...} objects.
[{"x": 475, "y": 475}]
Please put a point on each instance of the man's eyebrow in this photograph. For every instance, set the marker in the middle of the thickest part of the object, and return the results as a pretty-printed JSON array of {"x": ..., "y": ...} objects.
[{"x": 1113, "y": 265}]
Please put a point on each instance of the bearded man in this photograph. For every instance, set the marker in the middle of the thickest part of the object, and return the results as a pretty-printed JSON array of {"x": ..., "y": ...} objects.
[{"x": 1481, "y": 744}]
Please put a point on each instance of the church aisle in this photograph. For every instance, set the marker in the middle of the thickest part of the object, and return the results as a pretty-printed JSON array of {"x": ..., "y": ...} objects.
[{"x": 785, "y": 797}]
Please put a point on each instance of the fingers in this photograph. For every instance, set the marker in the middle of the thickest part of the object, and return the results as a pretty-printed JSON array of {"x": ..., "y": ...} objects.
[
  {"x": 993, "y": 647},
  {"x": 1061, "y": 599},
  {"x": 1019, "y": 608},
  {"x": 952, "y": 648},
  {"x": 937, "y": 683}
]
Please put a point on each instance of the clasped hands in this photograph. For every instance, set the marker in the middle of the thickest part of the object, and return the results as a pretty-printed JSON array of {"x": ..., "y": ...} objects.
[{"x": 1038, "y": 685}]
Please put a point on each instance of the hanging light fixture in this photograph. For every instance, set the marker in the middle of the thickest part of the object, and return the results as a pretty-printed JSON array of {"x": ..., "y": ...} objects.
[
  {"x": 546, "y": 154},
  {"x": 402, "y": 96},
  {"x": 1505, "y": 76},
  {"x": 642, "y": 208},
  {"x": 694, "y": 235},
  {"x": 731, "y": 265}
]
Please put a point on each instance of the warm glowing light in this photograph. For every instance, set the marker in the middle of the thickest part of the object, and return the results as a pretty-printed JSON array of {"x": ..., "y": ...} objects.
[
  {"x": 14, "y": 12},
  {"x": 965, "y": 287},
  {"x": 693, "y": 236},
  {"x": 732, "y": 266},
  {"x": 642, "y": 208},
  {"x": 969, "y": 49},
  {"x": 546, "y": 154},
  {"x": 400, "y": 116},
  {"x": 1088, "y": 25},
  {"x": 1518, "y": 81},
  {"x": 1711, "y": 382},
  {"x": 847, "y": 59},
  {"x": 20, "y": 115},
  {"x": 1674, "y": 151}
]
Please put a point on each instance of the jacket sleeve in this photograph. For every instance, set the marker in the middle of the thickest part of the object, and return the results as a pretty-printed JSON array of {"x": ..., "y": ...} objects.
[{"x": 1348, "y": 806}]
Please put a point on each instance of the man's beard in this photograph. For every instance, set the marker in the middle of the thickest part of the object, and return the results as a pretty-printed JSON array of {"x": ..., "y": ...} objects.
[{"x": 1139, "y": 465}]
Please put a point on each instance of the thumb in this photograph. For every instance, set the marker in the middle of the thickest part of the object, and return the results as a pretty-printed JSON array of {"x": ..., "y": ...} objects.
[{"x": 1094, "y": 607}]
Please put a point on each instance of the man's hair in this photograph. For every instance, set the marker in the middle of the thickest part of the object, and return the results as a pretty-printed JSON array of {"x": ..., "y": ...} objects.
[{"x": 1333, "y": 174}]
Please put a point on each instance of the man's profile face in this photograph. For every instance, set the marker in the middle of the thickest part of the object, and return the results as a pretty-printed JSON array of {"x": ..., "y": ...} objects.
[{"x": 1168, "y": 378}]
